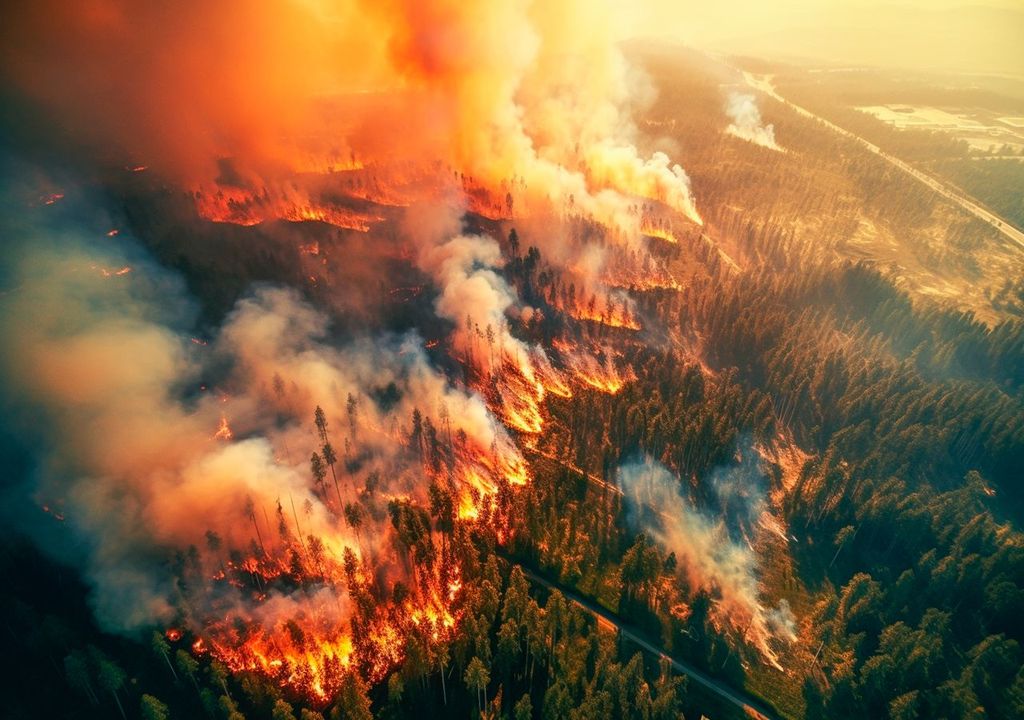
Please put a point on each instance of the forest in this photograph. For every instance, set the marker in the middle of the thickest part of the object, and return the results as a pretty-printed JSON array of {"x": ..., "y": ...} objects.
[{"x": 762, "y": 468}]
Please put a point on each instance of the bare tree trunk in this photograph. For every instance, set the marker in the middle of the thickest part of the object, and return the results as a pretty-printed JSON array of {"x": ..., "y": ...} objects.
[
  {"x": 170, "y": 667},
  {"x": 298, "y": 530},
  {"x": 259, "y": 536},
  {"x": 118, "y": 701}
]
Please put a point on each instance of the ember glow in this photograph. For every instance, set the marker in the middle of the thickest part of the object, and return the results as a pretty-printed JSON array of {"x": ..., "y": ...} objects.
[
  {"x": 609, "y": 312},
  {"x": 242, "y": 207},
  {"x": 109, "y": 273},
  {"x": 223, "y": 430}
]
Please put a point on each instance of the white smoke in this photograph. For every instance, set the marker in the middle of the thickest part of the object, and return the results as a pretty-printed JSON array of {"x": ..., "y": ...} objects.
[
  {"x": 747, "y": 123},
  {"x": 707, "y": 557}
]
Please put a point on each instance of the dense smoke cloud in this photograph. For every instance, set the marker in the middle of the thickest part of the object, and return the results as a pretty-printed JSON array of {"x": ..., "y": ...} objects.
[
  {"x": 149, "y": 443},
  {"x": 514, "y": 110},
  {"x": 501, "y": 90},
  {"x": 185, "y": 462},
  {"x": 709, "y": 558},
  {"x": 747, "y": 123},
  {"x": 176, "y": 86}
]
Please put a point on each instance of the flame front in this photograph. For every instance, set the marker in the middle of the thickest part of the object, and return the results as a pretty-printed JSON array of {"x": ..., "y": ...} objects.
[{"x": 304, "y": 609}]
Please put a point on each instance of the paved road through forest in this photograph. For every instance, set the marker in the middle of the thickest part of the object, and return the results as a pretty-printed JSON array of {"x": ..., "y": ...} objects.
[
  {"x": 732, "y": 696},
  {"x": 950, "y": 193}
]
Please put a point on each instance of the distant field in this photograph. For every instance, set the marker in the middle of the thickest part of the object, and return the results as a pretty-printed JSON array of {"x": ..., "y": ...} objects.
[
  {"x": 980, "y": 129},
  {"x": 927, "y": 117}
]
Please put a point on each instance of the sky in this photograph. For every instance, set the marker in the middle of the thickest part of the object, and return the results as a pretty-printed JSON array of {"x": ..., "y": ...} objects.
[{"x": 946, "y": 35}]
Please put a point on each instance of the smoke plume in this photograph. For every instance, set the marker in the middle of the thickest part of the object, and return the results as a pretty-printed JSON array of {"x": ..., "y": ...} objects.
[
  {"x": 263, "y": 111},
  {"x": 498, "y": 90},
  {"x": 709, "y": 558},
  {"x": 168, "y": 460},
  {"x": 747, "y": 123}
]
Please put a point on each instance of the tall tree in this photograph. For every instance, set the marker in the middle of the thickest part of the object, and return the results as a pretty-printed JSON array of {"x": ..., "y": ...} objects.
[
  {"x": 477, "y": 678},
  {"x": 152, "y": 709},
  {"x": 282, "y": 711},
  {"x": 76, "y": 669},
  {"x": 111, "y": 678},
  {"x": 163, "y": 649}
]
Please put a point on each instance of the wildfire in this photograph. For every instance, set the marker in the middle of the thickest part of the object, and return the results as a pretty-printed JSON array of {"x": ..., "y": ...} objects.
[
  {"x": 324, "y": 163},
  {"x": 603, "y": 376},
  {"x": 512, "y": 467},
  {"x": 343, "y": 192},
  {"x": 519, "y": 399},
  {"x": 610, "y": 315},
  {"x": 513, "y": 383},
  {"x": 348, "y": 621},
  {"x": 223, "y": 430},
  {"x": 468, "y": 507},
  {"x": 483, "y": 476},
  {"x": 310, "y": 650},
  {"x": 641, "y": 279},
  {"x": 311, "y": 657},
  {"x": 551, "y": 379},
  {"x": 251, "y": 207},
  {"x": 309, "y": 602},
  {"x": 658, "y": 223},
  {"x": 328, "y": 586},
  {"x": 660, "y": 234},
  {"x": 481, "y": 201}
]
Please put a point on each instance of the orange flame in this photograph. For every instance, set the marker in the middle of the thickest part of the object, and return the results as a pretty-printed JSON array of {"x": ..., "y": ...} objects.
[
  {"x": 223, "y": 430},
  {"x": 603, "y": 376}
]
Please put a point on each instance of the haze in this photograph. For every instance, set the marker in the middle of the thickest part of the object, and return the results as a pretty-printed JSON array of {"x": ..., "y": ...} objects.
[{"x": 944, "y": 35}]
